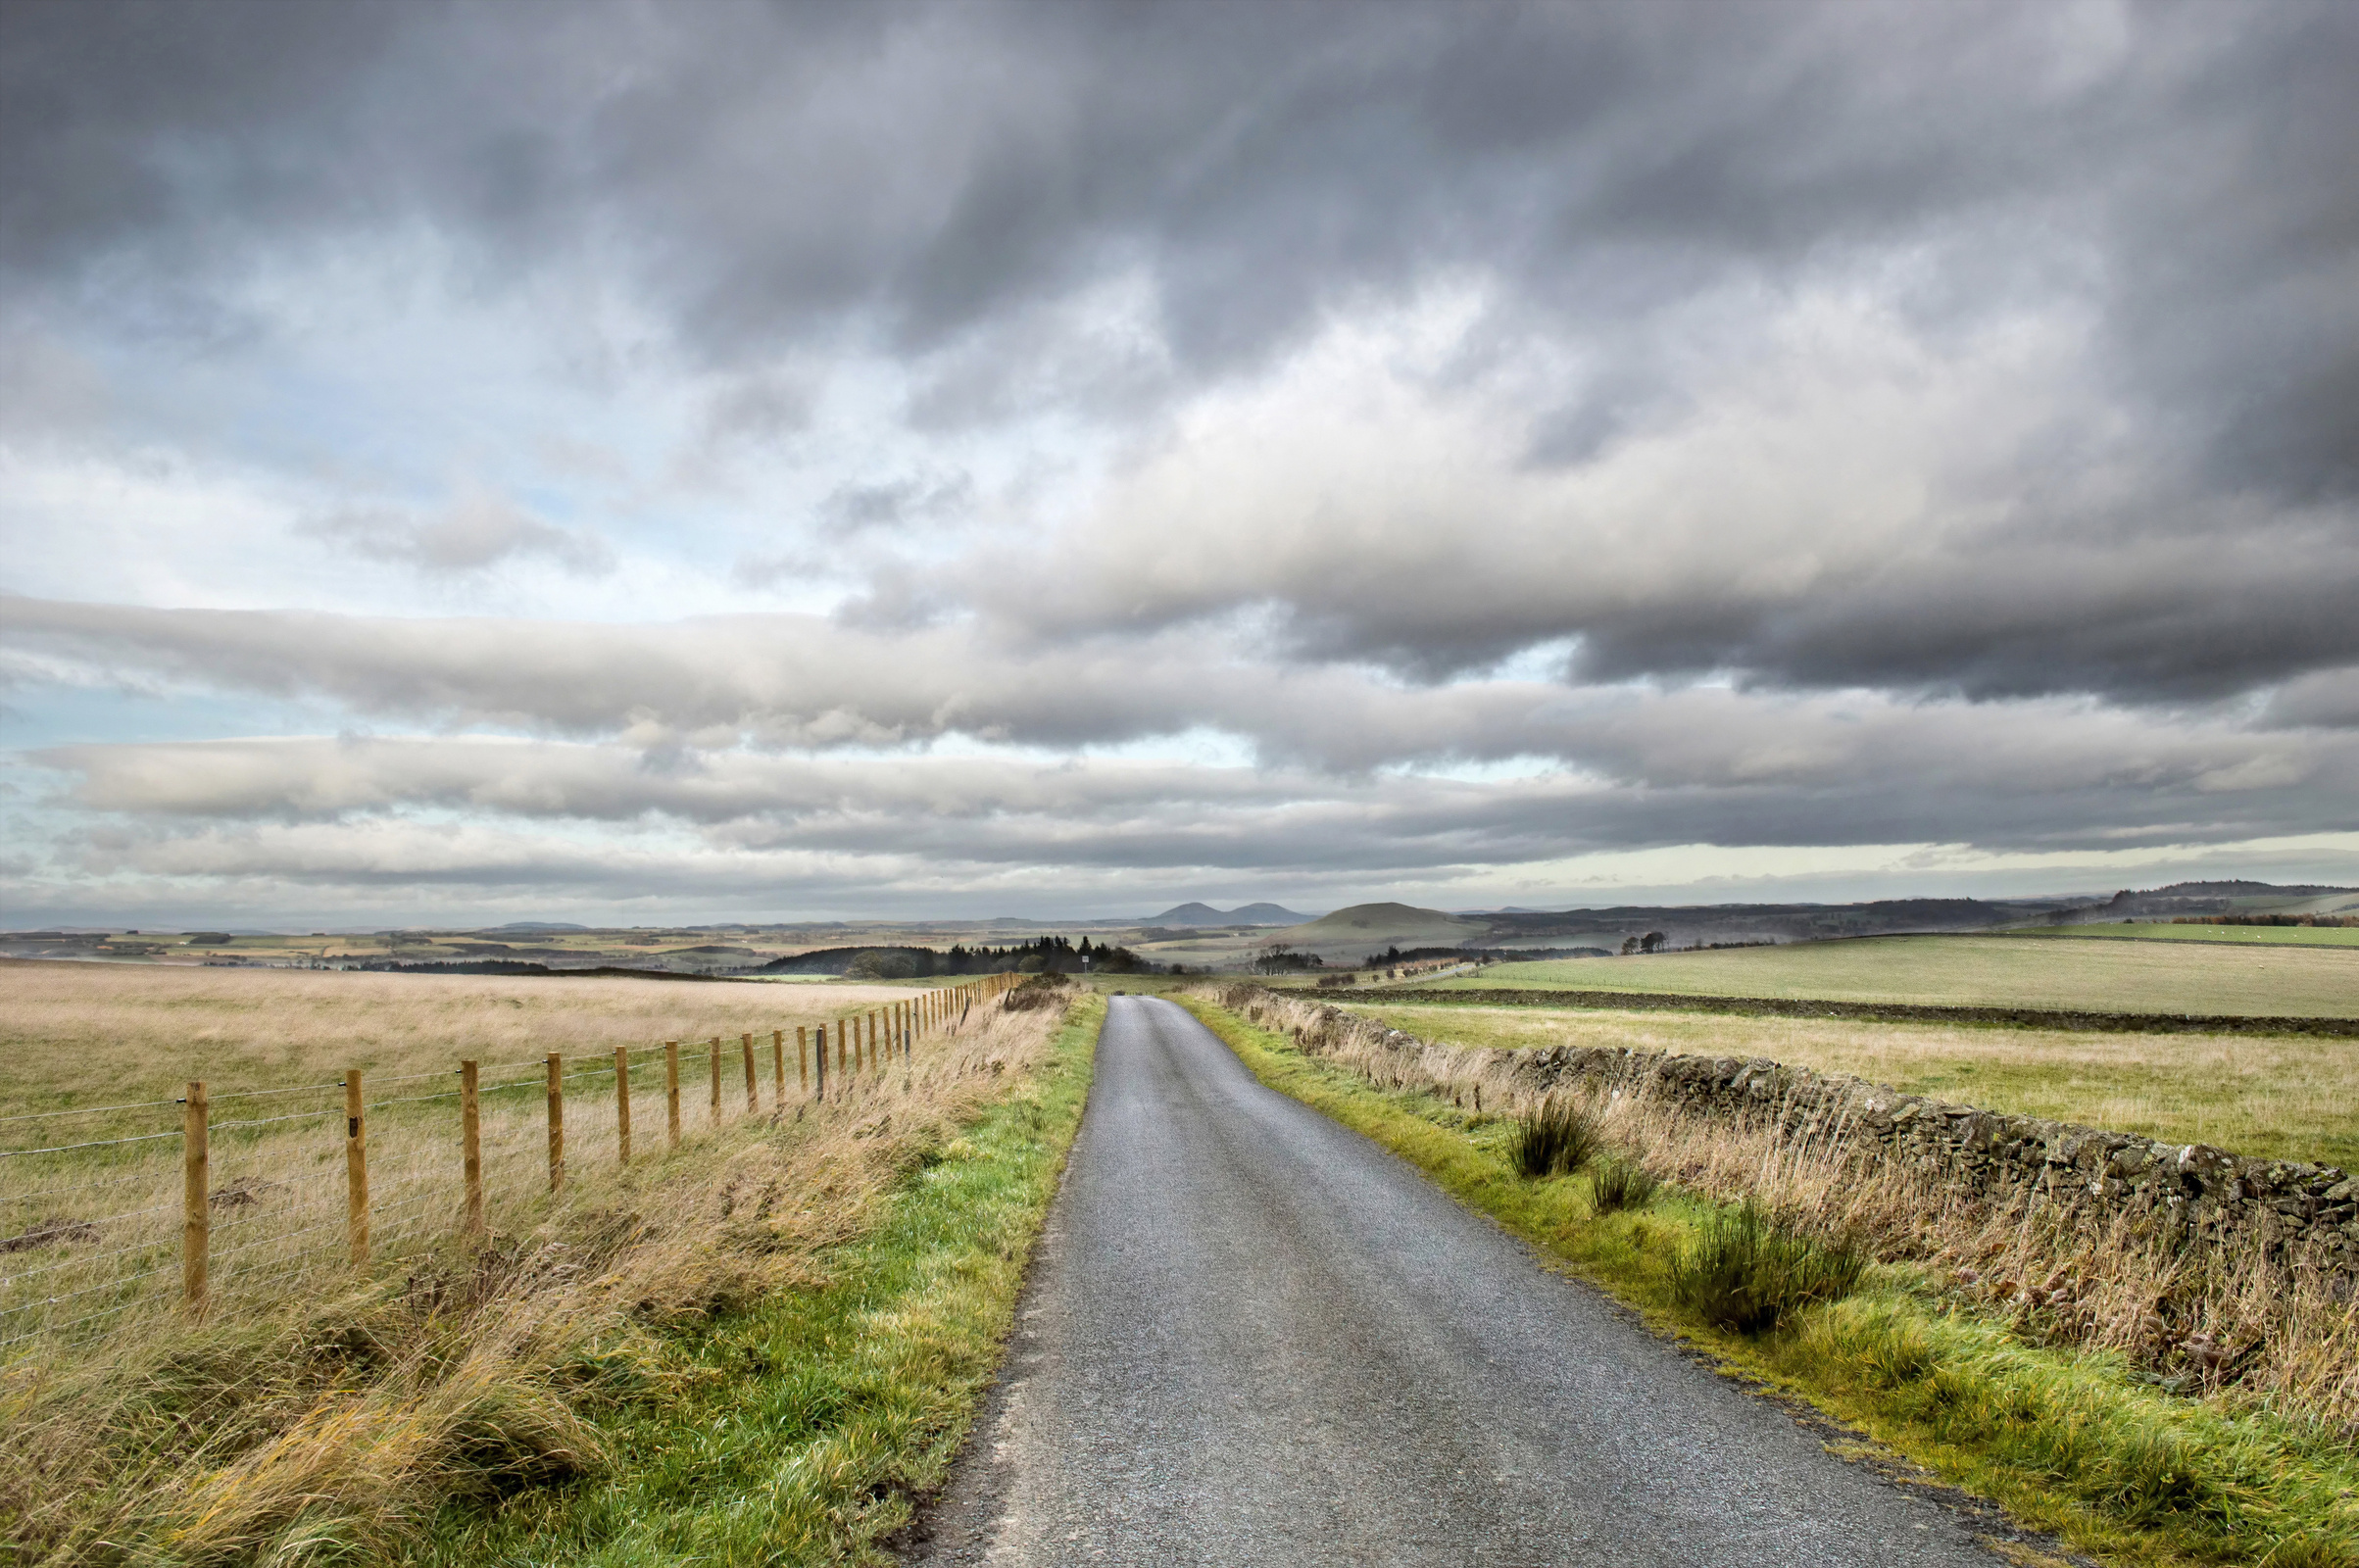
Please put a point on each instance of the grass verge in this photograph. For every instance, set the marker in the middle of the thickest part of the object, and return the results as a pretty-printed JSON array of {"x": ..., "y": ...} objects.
[
  {"x": 798, "y": 1429},
  {"x": 2068, "y": 1442}
]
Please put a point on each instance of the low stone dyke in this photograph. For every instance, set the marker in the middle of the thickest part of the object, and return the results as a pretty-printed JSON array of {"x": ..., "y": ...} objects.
[
  {"x": 2112, "y": 1023},
  {"x": 2194, "y": 1195}
]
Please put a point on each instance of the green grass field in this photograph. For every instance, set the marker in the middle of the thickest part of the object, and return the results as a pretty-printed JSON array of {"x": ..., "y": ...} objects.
[
  {"x": 2284, "y": 1098},
  {"x": 1994, "y": 971},
  {"x": 2290, "y": 936}
]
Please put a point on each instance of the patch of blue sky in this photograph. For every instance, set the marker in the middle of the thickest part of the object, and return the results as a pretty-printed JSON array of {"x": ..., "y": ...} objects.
[
  {"x": 1195, "y": 747},
  {"x": 36, "y": 716},
  {"x": 1544, "y": 661},
  {"x": 1485, "y": 771}
]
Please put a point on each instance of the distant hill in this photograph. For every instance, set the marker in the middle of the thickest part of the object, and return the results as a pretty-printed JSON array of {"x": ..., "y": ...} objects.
[
  {"x": 531, "y": 927},
  {"x": 1372, "y": 927},
  {"x": 1197, "y": 915},
  {"x": 2208, "y": 898},
  {"x": 1686, "y": 925}
]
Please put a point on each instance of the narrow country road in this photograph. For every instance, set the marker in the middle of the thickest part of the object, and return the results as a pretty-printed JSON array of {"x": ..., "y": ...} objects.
[{"x": 1253, "y": 1336}]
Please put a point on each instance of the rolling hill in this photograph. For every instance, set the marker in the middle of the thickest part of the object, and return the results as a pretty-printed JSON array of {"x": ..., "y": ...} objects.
[
  {"x": 1198, "y": 915},
  {"x": 1364, "y": 928}
]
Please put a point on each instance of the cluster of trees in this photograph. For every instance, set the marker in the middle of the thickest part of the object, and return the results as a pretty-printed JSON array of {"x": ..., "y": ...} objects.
[
  {"x": 1656, "y": 942},
  {"x": 1395, "y": 955},
  {"x": 2268, "y": 920},
  {"x": 1280, "y": 958},
  {"x": 1041, "y": 956}
]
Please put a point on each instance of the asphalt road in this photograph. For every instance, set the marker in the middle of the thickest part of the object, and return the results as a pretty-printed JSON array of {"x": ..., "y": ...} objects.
[{"x": 1251, "y": 1337}]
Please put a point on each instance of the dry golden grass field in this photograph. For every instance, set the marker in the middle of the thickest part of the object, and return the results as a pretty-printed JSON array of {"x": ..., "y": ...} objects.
[
  {"x": 1990, "y": 972},
  {"x": 83, "y": 1034},
  {"x": 312, "y": 1413},
  {"x": 2292, "y": 1096},
  {"x": 91, "y": 1199}
]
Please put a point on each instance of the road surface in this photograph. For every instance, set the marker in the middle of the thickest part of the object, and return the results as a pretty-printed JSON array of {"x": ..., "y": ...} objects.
[{"x": 1254, "y": 1338}]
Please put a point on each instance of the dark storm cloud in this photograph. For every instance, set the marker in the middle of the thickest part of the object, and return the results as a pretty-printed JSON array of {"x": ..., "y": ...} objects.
[{"x": 960, "y": 181}]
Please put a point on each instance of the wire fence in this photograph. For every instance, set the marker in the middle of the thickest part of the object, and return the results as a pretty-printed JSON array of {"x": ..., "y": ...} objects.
[{"x": 241, "y": 1200}]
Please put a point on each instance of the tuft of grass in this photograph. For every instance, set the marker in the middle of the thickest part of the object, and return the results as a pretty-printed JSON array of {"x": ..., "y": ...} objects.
[
  {"x": 1621, "y": 1184},
  {"x": 1555, "y": 1138},
  {"x": 1748, "y": 1273}
]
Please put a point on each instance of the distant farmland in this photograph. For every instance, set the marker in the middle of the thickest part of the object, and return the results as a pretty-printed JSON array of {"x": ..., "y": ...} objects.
[
  {"x": 2003, "y": 972},
  {"x": 2296, "y": 936}
]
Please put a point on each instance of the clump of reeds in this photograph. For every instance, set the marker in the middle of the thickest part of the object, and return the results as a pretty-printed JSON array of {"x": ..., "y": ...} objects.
[
  {"x": 1619, "y": 1184},
  {"x": 1750, "y": 1272},
  {"x": 1555, "y": 1138}
]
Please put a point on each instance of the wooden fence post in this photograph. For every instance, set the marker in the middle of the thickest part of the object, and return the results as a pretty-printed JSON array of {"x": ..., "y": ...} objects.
[
  {"x": 356, "y": 1168},
  {"x": 777, "y": 1069},
  {"x": 839, "y": 1047},
  {"x": 557, "y": 1122},
  {"x": 753, "y": 1099},
  {"x": 623, "y": 1106},
  {"x": 715, "y": 1085},
  {"x": 196, "y": 1201},
  {"x": 671, "y": 1089},
  {"x": 818, "y": 1058},
  {"x": 803, "y": 1058},
  {"x": 470, "y": 1144}
]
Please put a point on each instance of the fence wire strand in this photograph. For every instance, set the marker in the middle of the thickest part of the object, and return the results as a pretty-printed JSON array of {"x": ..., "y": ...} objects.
[
  {"x": 96, "y": 1142},
  {"x": 266, "y": 1121},
  {"x": 88, "y": 1110}
]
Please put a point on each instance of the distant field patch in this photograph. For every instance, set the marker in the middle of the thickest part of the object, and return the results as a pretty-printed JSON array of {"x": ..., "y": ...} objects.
[
  {"x": 2287, "y": 1097},
  {"x": 2298, "y": 936},
  {"x": 1992, "y": 971},
  {"x": 82, "y": 1034}
]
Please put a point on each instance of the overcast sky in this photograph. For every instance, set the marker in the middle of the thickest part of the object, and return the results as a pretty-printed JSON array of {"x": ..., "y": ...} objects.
[{"x": 650, "y": 462}]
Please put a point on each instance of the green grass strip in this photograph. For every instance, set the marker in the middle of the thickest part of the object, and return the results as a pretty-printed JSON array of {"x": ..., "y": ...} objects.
[
  {"x": 2065, "y": 1442},
  {"x": 796, "y": 1431}
]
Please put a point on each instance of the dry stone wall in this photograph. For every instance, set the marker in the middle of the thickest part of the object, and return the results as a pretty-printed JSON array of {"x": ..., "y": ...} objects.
[{"x": 2194, "y": 1195}]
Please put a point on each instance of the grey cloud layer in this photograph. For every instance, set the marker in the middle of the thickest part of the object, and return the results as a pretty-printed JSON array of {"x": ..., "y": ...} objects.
[
  {"x": 1970, "y": 393},
  {"x": 671, "y": 707},
  {"x": 964, "y": 178}
]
